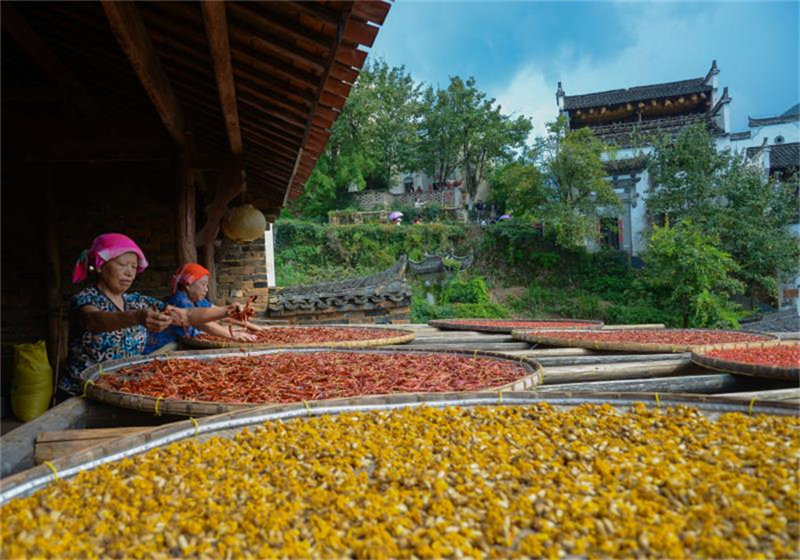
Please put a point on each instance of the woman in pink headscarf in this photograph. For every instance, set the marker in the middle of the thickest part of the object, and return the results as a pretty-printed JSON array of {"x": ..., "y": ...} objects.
[{"x": 107, "y": 322}]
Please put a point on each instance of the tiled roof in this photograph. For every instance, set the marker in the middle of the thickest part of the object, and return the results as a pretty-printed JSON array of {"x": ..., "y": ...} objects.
[
  {"x": 781, "y": 156},
  {"x": 741, "y": 135},
  {"x": 639, "y": 93},
  {"x": 623, "y": 166},
  {"x": 752, "y": 123}
]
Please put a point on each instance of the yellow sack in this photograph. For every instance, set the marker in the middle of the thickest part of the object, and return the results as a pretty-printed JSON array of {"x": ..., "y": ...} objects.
[{"x": 32, "y": 386}]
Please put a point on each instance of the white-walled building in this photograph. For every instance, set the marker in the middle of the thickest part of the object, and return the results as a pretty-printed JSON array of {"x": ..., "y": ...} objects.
[{"x": 617, "y": 116}]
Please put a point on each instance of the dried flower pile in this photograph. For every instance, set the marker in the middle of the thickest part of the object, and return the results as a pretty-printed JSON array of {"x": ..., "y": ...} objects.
[{"x": 487, "y": 482}]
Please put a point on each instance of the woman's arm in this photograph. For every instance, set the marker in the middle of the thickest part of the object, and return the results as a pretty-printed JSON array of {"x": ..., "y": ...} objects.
[
  {"x": 198, "y": 316},
  {"x": 94, "y": 320},
  {"x": 218, "y": 330}
]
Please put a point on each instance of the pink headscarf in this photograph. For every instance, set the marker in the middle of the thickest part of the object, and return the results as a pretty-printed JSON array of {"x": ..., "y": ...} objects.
[
  {"x": 104, "y": 248},
  {"x": 187, "y": 275}
]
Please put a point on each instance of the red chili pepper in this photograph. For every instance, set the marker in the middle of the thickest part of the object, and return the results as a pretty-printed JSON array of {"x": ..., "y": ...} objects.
[
  {"x": 292, "y": 377},
  {"x": 782, "y": 356},
  {"x": 311, "y": 334},
  {"x": 658, "y": 336}
]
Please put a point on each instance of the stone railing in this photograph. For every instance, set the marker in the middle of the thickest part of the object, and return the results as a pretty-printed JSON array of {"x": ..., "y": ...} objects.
[{"x": 385, "y": 199}]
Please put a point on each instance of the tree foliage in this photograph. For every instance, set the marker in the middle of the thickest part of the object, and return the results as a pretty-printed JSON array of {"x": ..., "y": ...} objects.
[
  {"x": 728, "y": 199},
  {"x": 686, "y": 271},
  {"x": 462, "y": 128}
]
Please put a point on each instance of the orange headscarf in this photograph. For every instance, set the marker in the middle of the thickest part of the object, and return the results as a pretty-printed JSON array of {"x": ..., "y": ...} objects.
[{"x": 187, "y": 275}]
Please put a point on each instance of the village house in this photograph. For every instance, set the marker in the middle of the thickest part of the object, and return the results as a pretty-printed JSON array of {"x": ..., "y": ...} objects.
[{"x": 623, "y": 117}]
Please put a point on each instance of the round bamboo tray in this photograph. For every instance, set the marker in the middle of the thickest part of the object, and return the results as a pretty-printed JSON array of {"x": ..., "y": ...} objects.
[
  {"x": 227, "y": 425},
  {"x": 481, "y": 325},
  {"x": 393, "y": 336},
  {"x": 544, "y": 337},
  {"x": 744, "y": 368},
  {"x": 194, "y": 408}
]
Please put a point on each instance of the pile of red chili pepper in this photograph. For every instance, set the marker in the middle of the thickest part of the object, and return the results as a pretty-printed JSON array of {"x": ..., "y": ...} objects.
[
  {"x": 657, "y": 336},
  {"x": 297, "y": 335},
  {"x": 295, "y": 376},
  {"x": 524, "y": 324},
  {"x": 787, "y": 356}
]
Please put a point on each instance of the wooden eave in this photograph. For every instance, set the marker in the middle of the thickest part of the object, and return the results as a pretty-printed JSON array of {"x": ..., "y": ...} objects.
[{"x": 285, "y": 69}]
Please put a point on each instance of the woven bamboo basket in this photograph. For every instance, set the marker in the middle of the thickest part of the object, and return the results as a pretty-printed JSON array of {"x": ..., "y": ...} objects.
[
  {"x": 157, "y": 405},
  {"x": 394, "y": 336},
  {"x": 544, "y": 337},
  {"x": 464, "y": 325},
  {"x": 227, "y": 425},
  {"x": 742, "y": 368}
]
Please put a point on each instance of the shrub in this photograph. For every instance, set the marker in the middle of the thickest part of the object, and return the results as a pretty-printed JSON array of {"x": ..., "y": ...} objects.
[{"x": 460, "y": 291}]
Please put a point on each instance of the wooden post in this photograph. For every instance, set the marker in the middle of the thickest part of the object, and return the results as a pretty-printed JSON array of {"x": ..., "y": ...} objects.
[
  {"x": 207, "y": 252},
  {"x": 53, "y": 277},
  {"x": 187, "y": 250}
]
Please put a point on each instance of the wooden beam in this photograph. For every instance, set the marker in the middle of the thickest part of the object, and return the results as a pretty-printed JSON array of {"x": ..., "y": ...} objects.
[
  {"x": 217, "y": 30},
  {"x": 42, "y": 56},
  {"x": 207, "y": 254},
  {"x": 128, "y": 27},
  {"x": 228, "y": 187}
]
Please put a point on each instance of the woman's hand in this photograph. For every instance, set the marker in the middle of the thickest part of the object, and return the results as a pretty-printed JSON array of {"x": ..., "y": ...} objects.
[
  {"x": 154, "y": 321},
  {"x": 180, "y": 316},
  {"x": 255, "y": 328},
  {"x": 239, "y": 336},
  {"x": 234, "y": 309}
]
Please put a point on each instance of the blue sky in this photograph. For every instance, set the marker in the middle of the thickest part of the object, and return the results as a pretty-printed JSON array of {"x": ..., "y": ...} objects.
[{"x": 518, "y": 51}]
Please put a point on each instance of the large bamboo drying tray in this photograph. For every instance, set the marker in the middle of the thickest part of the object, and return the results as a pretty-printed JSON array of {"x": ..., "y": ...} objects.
[
  {"x": 464, "y": 325},
  {"x": 227, "y": 425},
  {"x": 394, "y": 336},
  {"x": 545, "y": 337},
  {"x": 743, "y": 368},
  {"x": 194, "y": 408}
]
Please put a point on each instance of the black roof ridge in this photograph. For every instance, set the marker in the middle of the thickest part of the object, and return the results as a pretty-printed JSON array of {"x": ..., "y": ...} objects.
[{"x": 700, "y": 80}]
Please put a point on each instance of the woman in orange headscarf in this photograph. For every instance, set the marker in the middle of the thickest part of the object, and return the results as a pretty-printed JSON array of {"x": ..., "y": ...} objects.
[{"x": 189, "y": 290}]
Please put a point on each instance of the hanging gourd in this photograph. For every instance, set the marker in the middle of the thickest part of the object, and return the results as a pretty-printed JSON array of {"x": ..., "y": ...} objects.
[{"x": 244, "y": 223}]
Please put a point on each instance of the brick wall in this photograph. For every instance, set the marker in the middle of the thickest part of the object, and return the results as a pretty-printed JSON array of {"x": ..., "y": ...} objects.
[
  {"x": 136, "y": 200},
  {"x": 241, "y": 273}
]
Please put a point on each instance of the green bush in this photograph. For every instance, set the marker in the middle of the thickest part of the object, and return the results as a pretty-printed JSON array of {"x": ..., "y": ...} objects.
[
  {"x": 461, "y": 291},
  {"x": 636, "y": 313}
]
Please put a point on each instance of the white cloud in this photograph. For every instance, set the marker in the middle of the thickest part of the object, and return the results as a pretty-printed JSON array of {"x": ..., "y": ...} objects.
[{"x": 666, "y": 44}]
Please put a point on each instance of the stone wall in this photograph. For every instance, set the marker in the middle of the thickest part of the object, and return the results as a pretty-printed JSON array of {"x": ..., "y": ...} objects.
[{"x": 241, "y": 273}]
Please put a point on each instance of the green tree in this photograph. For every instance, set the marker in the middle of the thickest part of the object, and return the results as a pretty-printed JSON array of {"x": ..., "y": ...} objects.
[
  {"x": 686, "y": 271},
  {"x": 730, "y": 200},
  {"x": 573, "y": 179},
  {"x": 686, "y": 171},
  {"x": 517, "y": 186},
  {"x": 462, "y": 127},
  {"x": 374, "y": 138},
  {"x": 753, "y": 225}
]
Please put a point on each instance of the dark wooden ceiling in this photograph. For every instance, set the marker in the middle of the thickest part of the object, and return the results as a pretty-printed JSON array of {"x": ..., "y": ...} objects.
[{"x": 259, "y": 83}]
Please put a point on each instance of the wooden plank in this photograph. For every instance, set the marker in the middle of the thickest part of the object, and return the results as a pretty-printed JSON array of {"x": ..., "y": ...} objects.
[
  {"x": 360, "y": 32},
  {"x": 769, "y": 395},
  {"x": 495, "y": 347},
  {"x": 217, "y": 30},
  {"x": 551, "y": 352},
  {"x": 128, "y": 27},
  {"x": 616, "y": 359},
  {"x": 703, "y": 384},
  {"x": 643, "y": 369},
  {"x": 93, "y": 433},
  {"x": 642, "y": 326},
  {"x": 262, "y": 44},
  {"x": 373, "y": 10},
  {"x": 18, "y": 445}
]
